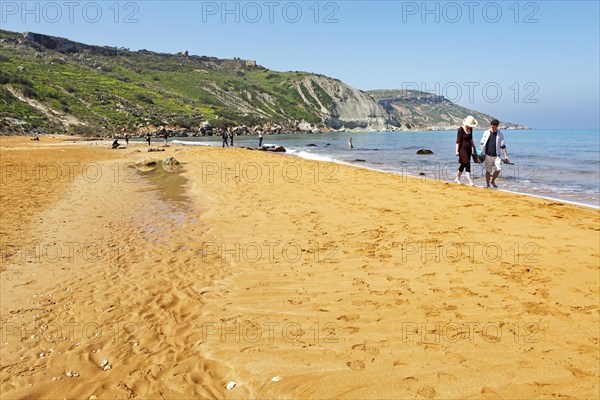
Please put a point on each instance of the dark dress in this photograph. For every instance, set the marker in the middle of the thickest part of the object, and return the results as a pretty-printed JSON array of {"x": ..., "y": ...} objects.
[{"x": 463, "y": 140}]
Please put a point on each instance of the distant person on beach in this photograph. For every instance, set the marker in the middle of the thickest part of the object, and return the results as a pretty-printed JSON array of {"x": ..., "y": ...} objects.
[
  {"x": 224, "y": 137},
  {"x": 165, "y": 136},
  {"x": 115, "y": 144},
  {"x": 350, "y": 146},
  {"x": 492, "y": 145},
  {"x": 148, "y": 138},
  {"x": 464, "y": 145},
  {"x": 127, "y": 139},
  {"x": 260, "y": 138},
  {"x": 231, "y": 138}
]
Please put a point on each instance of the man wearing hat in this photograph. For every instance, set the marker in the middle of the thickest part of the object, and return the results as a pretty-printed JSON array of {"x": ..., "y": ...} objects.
[{"x": 492, "y": 144}]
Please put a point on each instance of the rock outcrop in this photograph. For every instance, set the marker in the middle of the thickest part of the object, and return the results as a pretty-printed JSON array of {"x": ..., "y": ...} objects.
[
  {"x": 343, "y": 107},
  {"x": 428, "y": 111}
]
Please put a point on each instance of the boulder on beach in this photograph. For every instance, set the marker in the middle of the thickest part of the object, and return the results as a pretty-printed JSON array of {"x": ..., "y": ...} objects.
[
  {"x": 424, "y": 151},
  {"x": 170, "y": 164},
  {"x": 145, "y": 164},
  {"x": 151, "y": 149}
]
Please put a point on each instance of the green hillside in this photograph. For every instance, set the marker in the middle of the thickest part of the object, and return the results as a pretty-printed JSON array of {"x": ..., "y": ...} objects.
[
  {"x": 110, "y": 89},
  {"x": 54, "y": 85}
]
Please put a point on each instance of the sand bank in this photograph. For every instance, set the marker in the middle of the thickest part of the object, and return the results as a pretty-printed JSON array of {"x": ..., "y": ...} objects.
[{"x": 292, "y": 278}]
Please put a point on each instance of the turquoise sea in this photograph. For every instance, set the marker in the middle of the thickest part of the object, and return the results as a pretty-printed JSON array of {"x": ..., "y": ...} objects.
[{"x": 557, "y": 164}]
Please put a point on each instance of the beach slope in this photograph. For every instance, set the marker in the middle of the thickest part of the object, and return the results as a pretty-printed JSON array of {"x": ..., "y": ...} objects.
[{"x": 291, "y": 278}]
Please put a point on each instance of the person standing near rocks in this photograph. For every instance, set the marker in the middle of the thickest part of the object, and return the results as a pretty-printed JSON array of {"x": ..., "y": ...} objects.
[
  {"x": 260, "y": 138},
  {"x": 464, "y": 145},
  {"x": 148, "y": 138},
  {"x": 165, "y": 136},
  {"x": 224, "y": 137},
  {"x": 231, "y": 134},
  {"x": 127, "y": 139},
  {"x": 492, "y": 145}
]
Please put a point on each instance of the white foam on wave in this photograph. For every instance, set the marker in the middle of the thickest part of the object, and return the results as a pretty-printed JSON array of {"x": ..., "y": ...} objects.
[
  {"x": 539, "y": 196},
  {"x": 314, "y": 156},
  {"x": 190, "y": 143}
]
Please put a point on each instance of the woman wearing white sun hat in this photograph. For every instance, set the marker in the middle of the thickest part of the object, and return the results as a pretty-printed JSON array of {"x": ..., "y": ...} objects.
[{"x": 464, "y": 148}]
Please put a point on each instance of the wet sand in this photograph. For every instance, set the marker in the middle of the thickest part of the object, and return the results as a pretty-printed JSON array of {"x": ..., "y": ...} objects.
[{"x": 291, "y": 278}]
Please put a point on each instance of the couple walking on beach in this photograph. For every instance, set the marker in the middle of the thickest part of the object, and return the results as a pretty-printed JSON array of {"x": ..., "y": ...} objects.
[{"x": 492, "y": 145}]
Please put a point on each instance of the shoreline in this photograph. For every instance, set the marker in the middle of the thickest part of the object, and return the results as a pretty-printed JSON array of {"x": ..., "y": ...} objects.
[{"x": 342, "y": 162}]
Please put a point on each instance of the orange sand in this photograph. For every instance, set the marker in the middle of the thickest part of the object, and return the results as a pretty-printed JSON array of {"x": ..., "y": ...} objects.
[{"x": 291, "y": 278}]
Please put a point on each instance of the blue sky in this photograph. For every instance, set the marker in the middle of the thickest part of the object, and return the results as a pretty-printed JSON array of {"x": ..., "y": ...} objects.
[{"x": 531, "y": 62}]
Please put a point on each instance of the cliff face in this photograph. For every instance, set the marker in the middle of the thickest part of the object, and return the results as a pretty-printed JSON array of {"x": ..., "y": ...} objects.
[
  {"x": 344, "y": 107},
  {"x": 353, "y": 109},
  {"x": 428, "y": 111}
]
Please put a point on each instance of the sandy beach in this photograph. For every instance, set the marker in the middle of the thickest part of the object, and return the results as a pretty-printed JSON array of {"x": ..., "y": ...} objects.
[{"x": 245, "y": 274}]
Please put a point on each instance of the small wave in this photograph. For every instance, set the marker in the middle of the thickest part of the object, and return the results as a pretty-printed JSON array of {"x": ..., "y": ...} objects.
[
  {"x": 313, "y": 156},
  {"x": 190, "y": 143}
]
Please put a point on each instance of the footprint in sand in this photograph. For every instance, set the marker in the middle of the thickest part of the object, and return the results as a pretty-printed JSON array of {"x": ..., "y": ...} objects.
[
  {"x": 366, "y": 348},
  {"x": 408, "y": 382},
  {"x": 446, "y": 377},
  {"x": 250, "y": 349},
  {"x": 360, "y": 283},
  {"x": 356, "y": 364},
  {"x": 348, "y": 318},
  {"x": 577, "y": 373},
  {"x": 488, "y": 393},
  {"x": 427, "y": 392},
  {"x": 463, "y": 291},
  {"x": 431, "y": 311}
]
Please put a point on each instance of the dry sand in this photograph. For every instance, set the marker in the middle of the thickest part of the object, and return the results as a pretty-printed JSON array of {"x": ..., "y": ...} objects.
[{"x": 291, "y": 278}]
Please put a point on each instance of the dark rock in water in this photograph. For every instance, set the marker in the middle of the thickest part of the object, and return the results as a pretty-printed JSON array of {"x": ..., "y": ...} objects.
[
  {"x": 151, "y": 149},
  {"x": 311, "y": 145},
  {"x": 424, "y": 151},
  {"x": 359, "y": 160},
  {"x": 422, "y": 173},
  {"x": 276, "y": 149},
  {"x": 327, "y": 144}
]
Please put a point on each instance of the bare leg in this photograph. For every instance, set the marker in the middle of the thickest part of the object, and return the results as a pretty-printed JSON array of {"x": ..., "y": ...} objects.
[
  {"x": 496, "y": 173},
  {"x": 458, "y": 174},
  {"x": 468, "y": 174},
  {"x": 487, "y": 178}
]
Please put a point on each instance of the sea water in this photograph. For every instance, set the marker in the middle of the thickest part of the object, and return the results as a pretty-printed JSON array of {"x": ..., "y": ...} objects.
[{"x": 556, "y": 164}]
